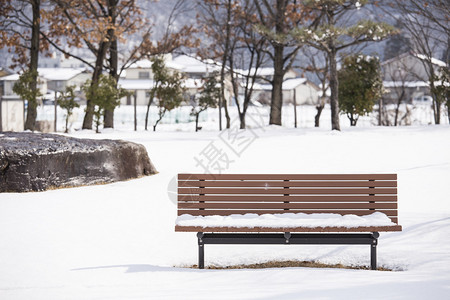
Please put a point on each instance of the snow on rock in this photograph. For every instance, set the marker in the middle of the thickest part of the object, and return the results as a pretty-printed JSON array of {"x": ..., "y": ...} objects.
[
  {"x": 36, "y": 162},
  {"x": 286, "y": 220}
]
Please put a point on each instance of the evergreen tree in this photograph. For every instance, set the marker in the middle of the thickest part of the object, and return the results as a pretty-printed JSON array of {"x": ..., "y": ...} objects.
[
  {"x": 209, "y": 97},
  {"x": 26, "y": 87},
  {"x": 360, "y": 86},
  {"x": 67, "y": 101},
  {"x": 167, "y": 88},
  {"x": 442, "y": 89},
  {"x": 103, "y": 95}
]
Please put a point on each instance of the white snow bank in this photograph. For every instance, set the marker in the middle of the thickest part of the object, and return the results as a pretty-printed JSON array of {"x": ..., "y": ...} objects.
[{"x": 285, "y": 220}]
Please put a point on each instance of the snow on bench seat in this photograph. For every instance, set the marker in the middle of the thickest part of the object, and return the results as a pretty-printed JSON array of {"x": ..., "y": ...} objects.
[{"x": 286, "y": 220}]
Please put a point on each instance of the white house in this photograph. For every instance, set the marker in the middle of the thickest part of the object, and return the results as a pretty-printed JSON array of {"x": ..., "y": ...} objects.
[
  {"x": 192, "y": 67},
  {"x": 298, "y": 90},
  {"x": 406, "y": 77},
  {"x": 49, "y": 80},
  {"x": 138, "y": 78},
  {"x": 7, "y": 84},
  {"x": 60, "y": 78}
]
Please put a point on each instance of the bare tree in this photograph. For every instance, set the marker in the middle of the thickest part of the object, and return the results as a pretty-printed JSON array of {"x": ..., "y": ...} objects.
[
  {"x": 97, "y": 26},
  {"x": 215, "y": 19},
  {"x": 20, "y": 24},
  {"x": 330, "y": 33},
  {"x": 317, "y": 64},
  {"x": 427, "y": 24},
  {"x": 246, "y": 50}
]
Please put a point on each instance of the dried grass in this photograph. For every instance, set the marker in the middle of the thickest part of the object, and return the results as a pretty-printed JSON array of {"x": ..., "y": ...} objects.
[{"x": 289, "y": 264}]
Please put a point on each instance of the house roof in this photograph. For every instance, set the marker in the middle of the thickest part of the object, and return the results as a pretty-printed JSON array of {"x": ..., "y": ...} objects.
[
  {"x": 183, "y": 63},
  {"x": 189, "y": 64},
  {"x": 136, "y": 84},
  {"x": 50, "y": 74},
  {"x": 12, "y": 77},
  {"x": 292, "y": 83},
  {"x": 434, "y": 61},
  {"x": 141, "y": 64},
  {"x": 59, "y": 73},
  {"x": 147, "y": 84},
  {"x": 412, "y": 84},
  {"x": 409, "y": 84},
  {"x": 288, "y": 84}
]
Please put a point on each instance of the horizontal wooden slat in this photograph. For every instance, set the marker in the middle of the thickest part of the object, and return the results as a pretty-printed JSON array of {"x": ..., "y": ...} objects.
[
  {"x": 226, "y": 194},
  {"x": 238, "y": 198},
  {"x": 287, "y": 176},
  {"x": 287, "y": 229},
  {"x": 220, "y": 205},
  {"x": 220, "y": 183},
  {"x": 286, "y": 191},
  {"x": 210, "y": 212}
]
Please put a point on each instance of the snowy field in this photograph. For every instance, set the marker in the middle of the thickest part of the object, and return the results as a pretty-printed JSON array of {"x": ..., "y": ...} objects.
[{"x": 117, "y": 241}]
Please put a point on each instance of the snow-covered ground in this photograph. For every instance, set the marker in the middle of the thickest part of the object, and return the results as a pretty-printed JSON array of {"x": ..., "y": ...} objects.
[
  {"x": 177, "y": 119},
  {"x": 117, "y": 241}
]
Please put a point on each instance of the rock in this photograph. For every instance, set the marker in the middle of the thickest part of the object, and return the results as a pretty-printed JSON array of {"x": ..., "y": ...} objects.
[{"x": 37, "y": 161}]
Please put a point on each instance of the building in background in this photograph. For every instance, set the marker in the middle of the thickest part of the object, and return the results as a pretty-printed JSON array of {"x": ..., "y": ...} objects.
[
  {"x": 12, "y": 113},
  {"x": 295, "y": 90},
  {"x": 138, "y": 78},
  {"x": 406, "y": 79}
]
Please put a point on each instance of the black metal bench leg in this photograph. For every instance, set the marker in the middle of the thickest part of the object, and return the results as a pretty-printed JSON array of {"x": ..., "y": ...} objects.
[
  {"x": 373, "y": 257},
  {"x": 373, "y": 251},
  {"x": 201, "y": 251}
]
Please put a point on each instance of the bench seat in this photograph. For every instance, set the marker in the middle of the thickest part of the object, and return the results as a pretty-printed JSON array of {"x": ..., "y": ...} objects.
[{"x": 261, "y": 194}]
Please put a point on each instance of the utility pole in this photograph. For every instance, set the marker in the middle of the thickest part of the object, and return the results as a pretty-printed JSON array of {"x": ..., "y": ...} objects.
[
  {"x": 135, "y": 111},
  {"x": 295, "y": 108},
  {"x": 1, "y": 113},
  {"x": 56, "y": 111}
]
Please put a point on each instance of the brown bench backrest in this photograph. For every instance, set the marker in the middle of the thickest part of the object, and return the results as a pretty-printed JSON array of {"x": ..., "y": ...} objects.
[{"x": 226, "y": 194}]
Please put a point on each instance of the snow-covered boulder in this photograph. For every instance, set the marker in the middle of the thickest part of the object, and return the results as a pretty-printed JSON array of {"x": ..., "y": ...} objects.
[{"x": 36, "y": 161}]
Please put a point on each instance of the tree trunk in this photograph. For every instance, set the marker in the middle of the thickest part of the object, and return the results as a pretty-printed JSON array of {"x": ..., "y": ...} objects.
[
  {"x": 448, "y": 112},
  {"x": 277, "y": 86},
  {"x": 334, "y": 88},
  {"x": 147, "y": 112},
  {"x": 380, "y": 112},
  {"x": 101, "y": 53},
  {"x": 397, "y": 108},
  {"x": 436, "y": 103},
  {"x": 319, "y": 112},
  {"x": 352, "y": 119},
  {"x": 67, "y": 123},
  {"x": 161, "y": 115},
  {"x": 295, "y": 108},
  {"x": 196, "y": 121},
  {"x": 150, "y": 101},
  {"x": 222, "y": 100},
  {"x": 113, "y": 61},
  {"x": 278, "y": 65},
  {"x": 227, "y": 115},
  {"x": 34, "y": 58},
  {"x": 113, "y": 64},
  {"x": 242, "y": 120}
]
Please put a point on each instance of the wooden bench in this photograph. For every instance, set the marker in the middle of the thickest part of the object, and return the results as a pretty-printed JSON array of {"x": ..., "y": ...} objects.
[{"x": 344, "y": 194}]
